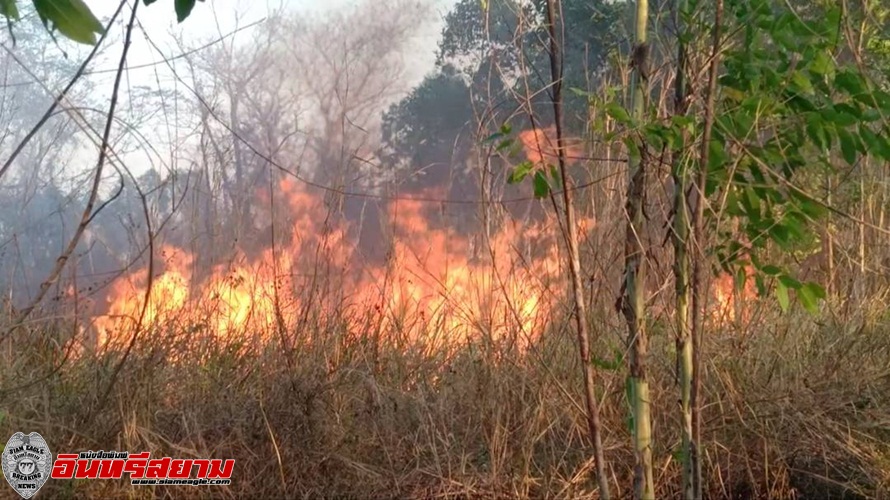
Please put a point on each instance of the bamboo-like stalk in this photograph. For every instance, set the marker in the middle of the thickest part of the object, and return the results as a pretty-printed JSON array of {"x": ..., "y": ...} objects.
[
  {"x": 699, "y": 240},
  {"x": 633, "y": 303},
  {"x": 571, "y": 235},
  {"x": 681, "y": 270}
]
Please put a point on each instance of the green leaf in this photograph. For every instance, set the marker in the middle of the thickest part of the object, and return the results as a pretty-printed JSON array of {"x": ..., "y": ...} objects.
[
  {"x": 542, "y": 187},
  {"x": 822, "y": 64},
  {"x": 752, "y": 204},
  {"x": 802, "y": 83},
  {"x": 883, "y": 147},
  {"x": 618, "y": 112},
  {"x": 782, "y": 296},
  {"x": 183, "y": 9},
  {"x": 780, "y": 234},
  {"x": 506, "y": 143},
  {"x": 816, "y": 289},
  {"x": 71, "y": 17},
  {"x": 771, "y": 270},
  {"x": 809, "y": 295},
  {"x": 817, "y": 133},
  {"x": 149, "y": 2},
  {"x": 760, "y": 284},
  {"x": 808, "y": 206},
  {"x": 520, "y": 172},
  {"x": 829, "y": 29},
  {"x": 881, "y": 98},
  {"x": 850, "y": 109},
  {"x": 871, "y": 115},
  {"x": 848, "y": 146},
  {"x": 717, "y": 155},
  {"x": 839, "y": 117},
  {"x": 789, "y": 282},
  {"x": 849, "y": 81},
  {"x": 9, "y": 10},
  {"x": 633, "y": 150},
  {"x": 655, "y": 136},
  {"x": 869, "y": 138}
]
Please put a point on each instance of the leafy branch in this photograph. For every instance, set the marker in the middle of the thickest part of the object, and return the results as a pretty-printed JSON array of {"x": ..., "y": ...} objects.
[{"x": 74, "y": 19}]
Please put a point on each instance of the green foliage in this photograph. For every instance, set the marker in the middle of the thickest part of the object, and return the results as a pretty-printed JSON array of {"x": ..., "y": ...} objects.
[
  {"x": 431, "y": 123},
  {"x": 520, "y": 172},
  {"x": 9, "y": 10},
  {"x": 183, "y": 8},
  {"x": 541, "y": 185},
  {"x": 617, "y": 112},
  {"x": 74, "y": 19},
  {"x": 543, "y": 176},
  {"x": 785, "y": 105}
]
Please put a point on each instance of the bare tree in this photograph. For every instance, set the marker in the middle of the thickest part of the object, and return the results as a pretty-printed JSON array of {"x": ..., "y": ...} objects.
[
  {"x": 299, "y": 98},
  {"x": 347, "y": 68}
]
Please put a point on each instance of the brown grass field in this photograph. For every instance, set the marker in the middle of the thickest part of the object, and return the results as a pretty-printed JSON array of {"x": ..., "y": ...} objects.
[{"x": 796, "y": 408}]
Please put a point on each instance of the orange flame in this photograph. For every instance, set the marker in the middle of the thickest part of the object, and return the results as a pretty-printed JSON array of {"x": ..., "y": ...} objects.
[
  {"x": 729, "y": 300},
  {"x": 430, "y": 286},
  {"x": 540, "y": 146}
]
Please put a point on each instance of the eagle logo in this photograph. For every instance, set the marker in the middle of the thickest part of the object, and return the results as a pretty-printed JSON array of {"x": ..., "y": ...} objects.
[{"x": 26, "y": 463}]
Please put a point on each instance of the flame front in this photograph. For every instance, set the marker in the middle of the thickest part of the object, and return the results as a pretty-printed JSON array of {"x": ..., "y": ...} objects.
[{"x": 434, "y": 284}]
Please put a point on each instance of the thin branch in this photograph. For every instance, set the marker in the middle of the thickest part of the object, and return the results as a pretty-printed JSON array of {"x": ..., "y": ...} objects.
[
  {"x": 49, "y": 112},
  {"x": 97, "y": 180},
  {"x": 571, "y": 235},
  {"x": 698, "y": 293}
]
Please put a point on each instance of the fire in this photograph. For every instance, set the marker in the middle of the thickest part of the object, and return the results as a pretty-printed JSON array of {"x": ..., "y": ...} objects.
[
  {"x": 729, "y": 300},
  {"x": 169, "y": 292},
  {"x": 431, "y": 286},
  {"x": 540, "y": 147},
  {"x": 434, "y": 285}
]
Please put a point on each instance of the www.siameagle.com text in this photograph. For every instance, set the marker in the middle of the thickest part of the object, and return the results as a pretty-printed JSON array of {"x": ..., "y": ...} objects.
[
  {"x": 143, "y": 470},
  {"x": 180, "y": 482}
]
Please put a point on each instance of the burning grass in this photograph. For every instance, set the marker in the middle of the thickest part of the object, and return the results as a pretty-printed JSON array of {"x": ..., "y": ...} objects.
[
  {"x": 323, "y": 410},
  {"x": 436, "y": 373},
  {"x": 429, "y": 278}
]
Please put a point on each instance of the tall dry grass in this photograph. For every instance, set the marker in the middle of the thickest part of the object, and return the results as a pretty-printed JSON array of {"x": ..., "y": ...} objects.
[{"x": 796, "y": 407}]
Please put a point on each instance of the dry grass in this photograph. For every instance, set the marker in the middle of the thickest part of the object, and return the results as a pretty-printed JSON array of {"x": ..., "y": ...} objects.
[{"x": 796, "y": 408}]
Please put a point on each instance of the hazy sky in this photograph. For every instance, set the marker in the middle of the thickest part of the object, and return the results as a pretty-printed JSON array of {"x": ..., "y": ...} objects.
[
  {"x": 214, "y": 17},
  {"x": 208, "y": 21}
]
